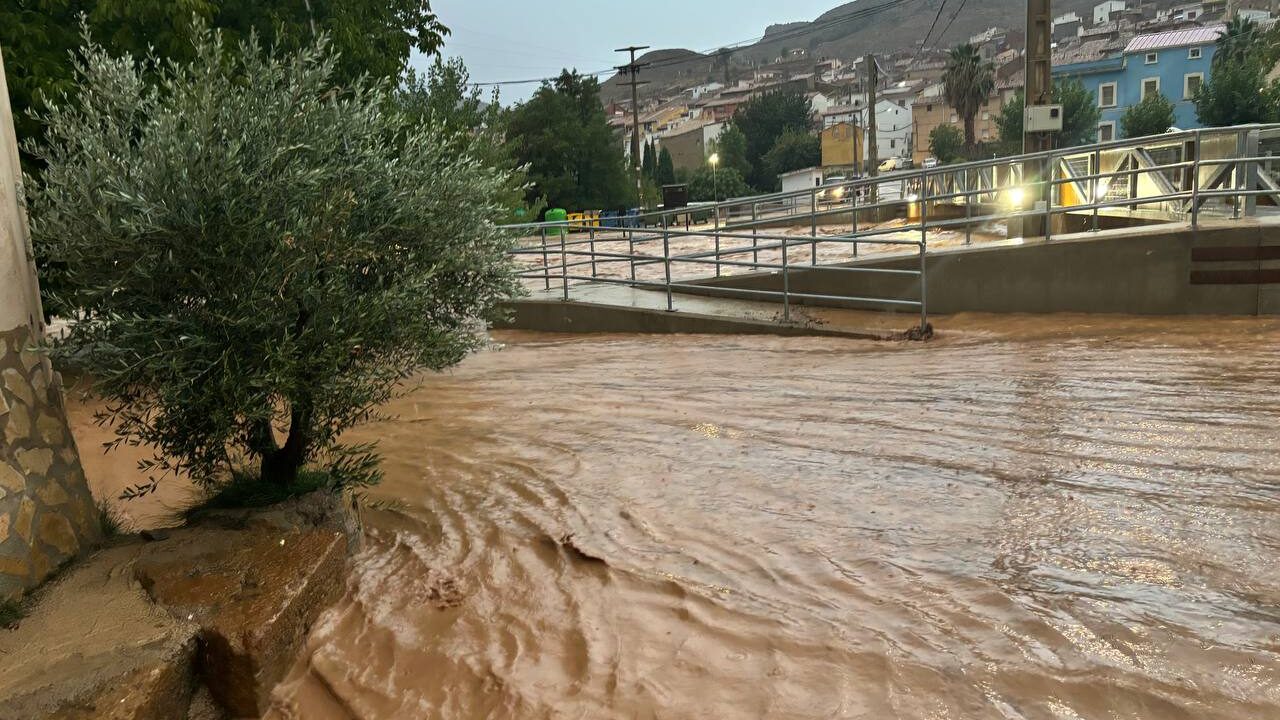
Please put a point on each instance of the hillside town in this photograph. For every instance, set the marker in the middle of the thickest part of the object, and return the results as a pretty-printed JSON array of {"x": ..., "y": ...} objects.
[{"x": 1121, "y": 53}]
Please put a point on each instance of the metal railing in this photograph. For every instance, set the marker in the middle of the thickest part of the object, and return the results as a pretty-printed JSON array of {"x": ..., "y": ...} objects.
[{"x": 1173, "y": 178}]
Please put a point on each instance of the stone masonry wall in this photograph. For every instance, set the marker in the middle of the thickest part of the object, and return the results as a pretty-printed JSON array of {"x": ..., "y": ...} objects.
[{"x": 46, "y": 512}]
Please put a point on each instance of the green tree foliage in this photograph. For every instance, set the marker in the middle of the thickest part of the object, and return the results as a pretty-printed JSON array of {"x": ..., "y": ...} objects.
[
  {"x": 967, "y": 83},
  {"x": 762, "y": 121},
  {"x": 1238, "y": 92},
  {"x": 1080, "y": 116},
  {"x": 707, "y": 185},
  {"x": 1152, "y": 116},
  {"x": 445, "y": 96},
  {"x": 255, "y": 254},
  {"x": 648, "y": 167},
  {"x": 731, "y": 146},
  {"x": 374, "y": 37},
  {"x": 1240, "y": 40},
  {"x": 946, "y": 143},
  {"x": 794, "y": 150},
  {"x": 575, "y": 159},
  {"x": 666, "y": 168}
]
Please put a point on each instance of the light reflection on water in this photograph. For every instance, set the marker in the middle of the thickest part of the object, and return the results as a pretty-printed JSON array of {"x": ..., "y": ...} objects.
[{"x": 1065, "y": 518}]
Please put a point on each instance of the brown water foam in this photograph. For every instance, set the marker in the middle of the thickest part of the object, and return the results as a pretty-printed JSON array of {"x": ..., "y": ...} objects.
[{"x": 1059, "y": 519}]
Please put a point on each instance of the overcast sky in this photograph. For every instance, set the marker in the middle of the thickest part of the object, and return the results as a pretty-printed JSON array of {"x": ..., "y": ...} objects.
[{"x": 505, "y": 40}]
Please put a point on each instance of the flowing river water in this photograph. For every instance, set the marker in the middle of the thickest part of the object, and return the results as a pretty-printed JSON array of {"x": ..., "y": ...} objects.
[{"x": 1026, "y": 518}]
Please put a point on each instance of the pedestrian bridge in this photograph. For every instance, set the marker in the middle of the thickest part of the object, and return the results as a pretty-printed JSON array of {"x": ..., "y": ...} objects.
[{"x": 1168, "y": 224}]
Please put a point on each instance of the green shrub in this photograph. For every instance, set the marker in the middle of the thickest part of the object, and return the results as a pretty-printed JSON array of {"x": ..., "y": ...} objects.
[{"x": 253, "y": 250}]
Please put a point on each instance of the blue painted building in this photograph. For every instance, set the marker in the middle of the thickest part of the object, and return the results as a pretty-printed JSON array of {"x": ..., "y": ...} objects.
[{"x": 1174, "y": 63}]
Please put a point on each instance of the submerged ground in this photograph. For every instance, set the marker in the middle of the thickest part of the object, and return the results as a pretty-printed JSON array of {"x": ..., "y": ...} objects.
[{"x": 1054, "y": 518}]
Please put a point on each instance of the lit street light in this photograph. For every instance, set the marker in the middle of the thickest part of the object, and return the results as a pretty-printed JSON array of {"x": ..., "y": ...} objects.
[{"x": 715, "y": 186}]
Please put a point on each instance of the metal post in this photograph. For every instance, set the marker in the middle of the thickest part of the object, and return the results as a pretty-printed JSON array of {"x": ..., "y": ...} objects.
[
  {"x": 968, "y": 208},
  {"x": 786, "y": 285},
  {"x": 592, "y": 235},
  {"x": 1094, "y": 197},
  {"x": 924, "y": 246},
  {"x": 853, "y": 210},
  {"x": 1048, "y": 197},
  {"x": 564, "y": 259},
  {"x": 631, "y": 251},
  {"x": 1195, "y": 184},
  {"x": 546, "y": 269},
  {"x": 666, "y": 259},
  {"x": 755, "y": 215},
  {"x": 715, "y": 209},
  {"x": 1250, "y": 181},
  {"x": 813, "y": 226}
]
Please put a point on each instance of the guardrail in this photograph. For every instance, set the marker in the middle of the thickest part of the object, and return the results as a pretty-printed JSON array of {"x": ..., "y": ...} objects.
[{"x": 1177, "y": 177}]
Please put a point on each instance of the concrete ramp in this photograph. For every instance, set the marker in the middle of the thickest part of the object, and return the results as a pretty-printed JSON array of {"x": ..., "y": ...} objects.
[{"x": 609, "y": 308}]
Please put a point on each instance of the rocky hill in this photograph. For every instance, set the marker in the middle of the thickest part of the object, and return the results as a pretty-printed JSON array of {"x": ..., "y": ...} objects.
[{"x": 846, "y": 31}]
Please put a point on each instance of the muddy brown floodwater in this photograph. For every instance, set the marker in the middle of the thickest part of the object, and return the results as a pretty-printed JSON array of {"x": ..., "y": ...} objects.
[{"x": 1027, "y": 518}]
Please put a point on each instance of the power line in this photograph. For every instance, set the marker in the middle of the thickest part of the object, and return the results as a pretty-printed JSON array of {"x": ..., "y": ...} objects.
[
  {"x": 942, "y": 6},
  {"x": 784, "y": 35}
]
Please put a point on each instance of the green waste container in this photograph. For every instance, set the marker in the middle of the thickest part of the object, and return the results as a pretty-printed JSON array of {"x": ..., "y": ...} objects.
[{"x": 557, "y": 215}]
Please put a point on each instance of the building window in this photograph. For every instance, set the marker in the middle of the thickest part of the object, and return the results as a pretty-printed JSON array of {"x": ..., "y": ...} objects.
[
  {"x": 955, "y": 118},
  {"x": 1152, "y": 58},
  {"x": 1191, "y": 85},
  {"x": 1193, "y": 54},
  {"x": 1107, "y": 95},
  {"x": 893, "y": 143},
  {"x": 928, "y": 108},
  {"x": 1106, "y": 132},
  {"x": 1150, "y": 86}
]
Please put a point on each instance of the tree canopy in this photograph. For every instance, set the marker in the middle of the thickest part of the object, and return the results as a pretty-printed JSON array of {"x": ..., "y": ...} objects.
[
  {"x": 1237, "y": 92},
  {"x": 575, "y": 159},
  {"x": 967, "y": 83},
  {"x": 794, "y": 150},
  {"x": 764, "y": 119},
  {"x": 707, "y": 184},
  {"x": 946, "y": 143},
  {"x": 39, "y": 37},
  {"x": 252, "y": 254},
  {"x": 1152, "y": 116},
  {"x": 666, "y": 168},
  {"x": 1080, "y": 116},
  {"x": 731, "y": 146}
]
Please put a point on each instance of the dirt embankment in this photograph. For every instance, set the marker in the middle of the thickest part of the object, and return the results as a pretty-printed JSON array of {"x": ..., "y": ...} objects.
[{"x": 199, "y": 622}]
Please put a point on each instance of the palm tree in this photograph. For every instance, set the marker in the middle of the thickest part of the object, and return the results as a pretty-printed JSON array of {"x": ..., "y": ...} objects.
[
  {"x": 968, "y": 82},
  {"x": 1237, "y": 41}
]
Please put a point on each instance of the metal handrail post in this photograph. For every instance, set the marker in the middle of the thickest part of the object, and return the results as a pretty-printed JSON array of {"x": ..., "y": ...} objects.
[
  {"x": 755, "y": 216},
  {"x": 924, "y": 246},
  {"x": 716, "y": 214},
  {"x": 546, "y": 269},
  {"x": 1195, "y": 184},
  {"x": 631, "y": 251},
  {"x": 968, "y": 208},
  {"x": 1050, "y": 166},
  {"x": 813, "y": 226},
  {"x": 564, "y": 260},
  {"x": 592, "y": 235},
  {"x": 666, "y": 260},
  {"x": 1094, "y": 185},
  {"x": 786, "y": 285}
]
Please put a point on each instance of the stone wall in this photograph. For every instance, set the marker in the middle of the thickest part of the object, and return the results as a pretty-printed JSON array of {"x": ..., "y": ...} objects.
[{"x": 46, "y": 512}]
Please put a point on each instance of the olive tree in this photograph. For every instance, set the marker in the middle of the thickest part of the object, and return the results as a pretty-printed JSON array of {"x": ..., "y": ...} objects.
[{"x": 257, "y": 256}]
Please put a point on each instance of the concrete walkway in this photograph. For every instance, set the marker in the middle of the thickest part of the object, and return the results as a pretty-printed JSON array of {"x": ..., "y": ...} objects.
[{"x": 604, "y": 307}]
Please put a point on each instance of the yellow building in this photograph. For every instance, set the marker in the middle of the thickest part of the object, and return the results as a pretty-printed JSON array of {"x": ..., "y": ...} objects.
[{"x": 841, "y": 145}]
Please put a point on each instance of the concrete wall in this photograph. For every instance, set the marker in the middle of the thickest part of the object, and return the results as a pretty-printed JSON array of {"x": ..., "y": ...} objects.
[
  {"x": 46, "y": 512},
  {"x": 1142, "y": 271}
]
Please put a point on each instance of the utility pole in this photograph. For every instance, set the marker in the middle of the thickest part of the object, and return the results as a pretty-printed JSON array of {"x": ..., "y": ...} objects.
[
  {"x": 1039, "y": 92},
  {"x": 633, "y": 69},
  {"x": 873, "y": 144}
]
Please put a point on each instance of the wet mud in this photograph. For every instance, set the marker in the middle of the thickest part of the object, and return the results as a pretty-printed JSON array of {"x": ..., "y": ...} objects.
[{"x": 1027, "y": 518}]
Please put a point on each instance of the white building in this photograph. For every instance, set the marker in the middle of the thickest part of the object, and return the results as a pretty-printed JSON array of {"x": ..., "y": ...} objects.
[
  {"x": 1102, "y": 12},
  {"x": 797, "y": 180},
  {"x": 893, "y": 130}
]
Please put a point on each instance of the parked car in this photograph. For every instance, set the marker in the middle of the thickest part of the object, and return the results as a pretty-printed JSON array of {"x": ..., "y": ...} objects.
[
  {"x": 930, "y": 163},
  {"x": 832, "y": 188},
  {"x": 895, "y": 163}
]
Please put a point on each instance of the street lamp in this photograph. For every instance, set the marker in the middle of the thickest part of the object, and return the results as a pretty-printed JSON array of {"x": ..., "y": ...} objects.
[{"x": 715, "y": 185}]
